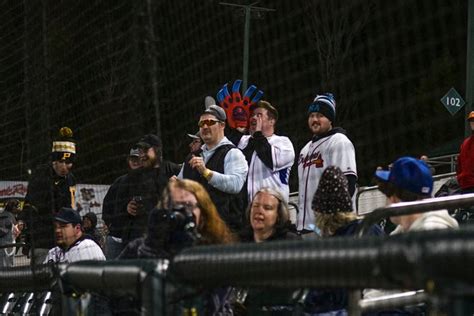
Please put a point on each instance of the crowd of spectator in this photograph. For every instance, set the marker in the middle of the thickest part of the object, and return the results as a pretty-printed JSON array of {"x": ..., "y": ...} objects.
[{"x": 232, "y": 187}]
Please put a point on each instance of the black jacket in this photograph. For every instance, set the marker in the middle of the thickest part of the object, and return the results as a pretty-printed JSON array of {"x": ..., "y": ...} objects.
[
  {"x": 145, "y": 183},
  {"x": 47, "y": 194},
  {"x": 285, "y": 232}
]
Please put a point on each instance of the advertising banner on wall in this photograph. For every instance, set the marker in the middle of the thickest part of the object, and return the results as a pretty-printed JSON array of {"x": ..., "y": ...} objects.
[{"x": 89, "y": 197}]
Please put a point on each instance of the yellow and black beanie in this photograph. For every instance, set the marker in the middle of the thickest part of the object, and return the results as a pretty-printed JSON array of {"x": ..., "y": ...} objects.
[{"x": 64, "y": 147}]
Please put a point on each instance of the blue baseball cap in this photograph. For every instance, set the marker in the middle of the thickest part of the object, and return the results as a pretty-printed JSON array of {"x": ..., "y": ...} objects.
[
  {"x": 68, "y": 216},
  {"x": 409, "y": 174}
]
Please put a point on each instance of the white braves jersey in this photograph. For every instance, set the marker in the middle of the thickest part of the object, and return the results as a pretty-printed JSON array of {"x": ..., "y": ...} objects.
[
  {"x": 260, "y": 176},
  {"x": 334, "y": 150},
  {"x": 85, "y": 249}
]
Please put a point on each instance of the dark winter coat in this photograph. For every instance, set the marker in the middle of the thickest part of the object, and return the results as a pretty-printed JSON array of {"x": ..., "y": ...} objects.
[
  {"x": 47, "y": 194},
  {"x": 92, "y": 231},
  {"x": 148, "y": 184},
  {"x": 286, "y": 232}
]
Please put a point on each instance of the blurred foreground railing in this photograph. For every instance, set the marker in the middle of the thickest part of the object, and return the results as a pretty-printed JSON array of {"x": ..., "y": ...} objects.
[
  {"x": 368, "y": 262},
  {"x": 439, "y": 262},
  {"x": 408, "y": 261},
  {"x": 406, "y": 208}
]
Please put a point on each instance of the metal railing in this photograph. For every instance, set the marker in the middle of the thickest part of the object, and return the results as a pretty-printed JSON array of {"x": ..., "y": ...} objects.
[
  {"x": 446, "y": 160},
  {"x": 378, "y": 199},
  {"x": 393, "y": 301},
  {"x": 142, "y": 279},
  {"x": 367, "y": 262},
  {"x": 406, "y": 208}
]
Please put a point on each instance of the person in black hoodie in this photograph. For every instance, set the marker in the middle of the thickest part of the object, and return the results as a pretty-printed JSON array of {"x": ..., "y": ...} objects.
[{"x": 89, "y": 225}]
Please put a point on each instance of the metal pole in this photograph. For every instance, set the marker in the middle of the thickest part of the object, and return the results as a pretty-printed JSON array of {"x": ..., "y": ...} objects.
[
  {"x": 245, "y": 71},
  {"x": 150, "y": 47},
  {"x": 470, "y": 65},
  {"x": 247, "y": 11}
]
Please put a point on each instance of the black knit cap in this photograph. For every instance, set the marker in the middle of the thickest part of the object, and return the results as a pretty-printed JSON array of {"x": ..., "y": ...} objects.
[{"x": 332, "y": 195}]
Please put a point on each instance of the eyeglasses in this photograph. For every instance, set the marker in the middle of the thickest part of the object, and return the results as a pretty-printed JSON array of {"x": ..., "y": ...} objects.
[
  {"x": 208, "y": 122},
  {"x": 184, "y": 205}
]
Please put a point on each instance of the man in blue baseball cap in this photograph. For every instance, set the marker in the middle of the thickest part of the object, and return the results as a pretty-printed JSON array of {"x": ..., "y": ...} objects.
[
  {"x": 410, "y": 179},
  {"x": 72, "y": 244}
]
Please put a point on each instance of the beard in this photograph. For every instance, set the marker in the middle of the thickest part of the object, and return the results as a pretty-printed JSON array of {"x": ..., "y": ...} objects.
[{"x": 150, "y": 162}]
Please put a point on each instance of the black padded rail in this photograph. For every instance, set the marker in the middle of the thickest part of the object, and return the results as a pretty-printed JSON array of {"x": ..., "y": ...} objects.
[
  {"x": 423, "y": 206},
  {"x": 125, "y": 277},
  {"x": 27, "y": 278},
  {"x": 403, "y": 261}
]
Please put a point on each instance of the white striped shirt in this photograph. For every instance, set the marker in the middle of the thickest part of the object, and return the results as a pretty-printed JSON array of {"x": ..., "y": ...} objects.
[
  {"x": 84, "y": 249},
  {"x": 260, "y": 176}
]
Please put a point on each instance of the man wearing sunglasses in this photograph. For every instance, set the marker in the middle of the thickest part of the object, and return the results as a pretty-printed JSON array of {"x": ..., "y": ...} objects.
[{"x": 219, "y": 166}]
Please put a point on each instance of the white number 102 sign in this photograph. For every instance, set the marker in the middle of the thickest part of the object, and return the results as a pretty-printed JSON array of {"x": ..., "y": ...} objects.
[{"x": 453, "y": 101}]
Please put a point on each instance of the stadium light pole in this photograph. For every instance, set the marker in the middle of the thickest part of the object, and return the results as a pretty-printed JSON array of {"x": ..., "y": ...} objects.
[
  {"x": 470, "y": 65},
  {"x": 247, "y": 12}
]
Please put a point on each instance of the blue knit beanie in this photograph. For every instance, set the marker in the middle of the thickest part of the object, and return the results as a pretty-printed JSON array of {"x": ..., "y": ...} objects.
[{"x": 324, "y": 104}]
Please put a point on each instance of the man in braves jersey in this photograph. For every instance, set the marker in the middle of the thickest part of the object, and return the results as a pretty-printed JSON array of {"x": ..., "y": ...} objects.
[
  {"x": 329, "y": 147},
  {"x": 269, "y": 156}
]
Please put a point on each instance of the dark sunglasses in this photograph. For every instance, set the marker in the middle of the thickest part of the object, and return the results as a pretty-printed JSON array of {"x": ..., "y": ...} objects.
[{"x": 208, "y": 122}]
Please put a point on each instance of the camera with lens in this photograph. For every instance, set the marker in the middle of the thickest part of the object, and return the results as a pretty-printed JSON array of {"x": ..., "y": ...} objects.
[
  {"x": 181, "y": 218},
  {"x": 172, "y": 228}
]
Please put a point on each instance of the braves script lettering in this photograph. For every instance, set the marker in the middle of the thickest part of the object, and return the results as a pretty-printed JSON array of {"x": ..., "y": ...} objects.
[{"x": 313, "y": 159}]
